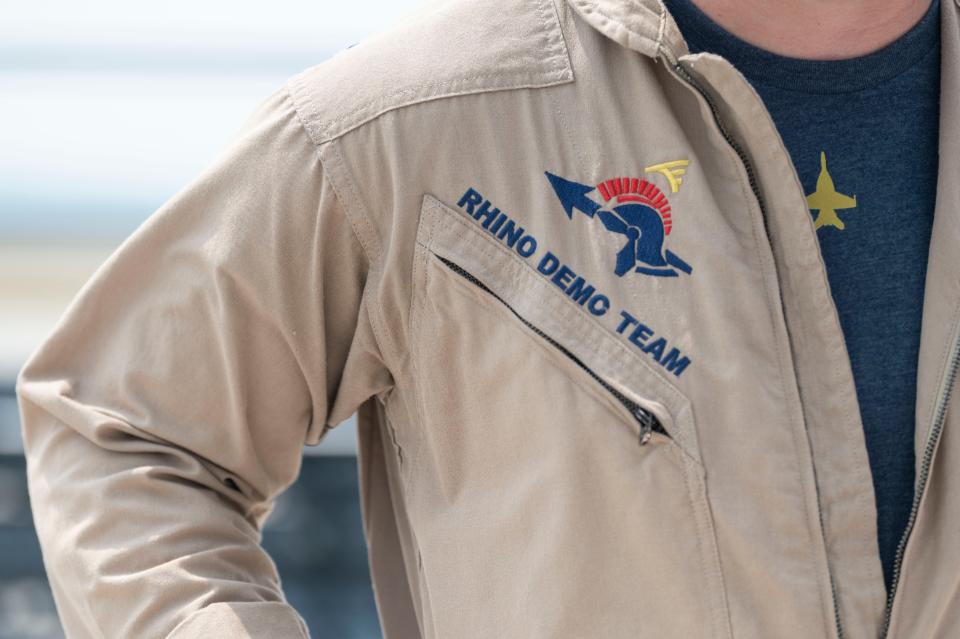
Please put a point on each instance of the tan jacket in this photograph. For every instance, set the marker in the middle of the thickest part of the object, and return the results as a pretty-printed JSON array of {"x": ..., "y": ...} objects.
[{"x": 566, "y": 273}]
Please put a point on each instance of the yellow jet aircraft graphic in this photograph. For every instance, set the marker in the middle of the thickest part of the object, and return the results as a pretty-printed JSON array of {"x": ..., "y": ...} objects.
[{"x": 826, "y": 199}]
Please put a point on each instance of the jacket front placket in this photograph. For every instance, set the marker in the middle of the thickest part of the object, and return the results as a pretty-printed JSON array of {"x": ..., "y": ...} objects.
[
  {"x": 923, "y": 599},
  {"x": 824, "y": 413}
]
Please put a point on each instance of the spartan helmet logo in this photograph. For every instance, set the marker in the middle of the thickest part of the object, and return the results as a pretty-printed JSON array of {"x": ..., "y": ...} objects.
[{"x": 635, "y": 209}]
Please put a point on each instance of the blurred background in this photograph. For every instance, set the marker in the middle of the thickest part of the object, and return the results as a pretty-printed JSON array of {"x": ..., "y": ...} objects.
[{"x": 107, "y": 109}]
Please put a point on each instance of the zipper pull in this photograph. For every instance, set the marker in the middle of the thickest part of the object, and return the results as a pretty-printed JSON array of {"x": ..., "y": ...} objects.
[{"x": 647, "y": 420}]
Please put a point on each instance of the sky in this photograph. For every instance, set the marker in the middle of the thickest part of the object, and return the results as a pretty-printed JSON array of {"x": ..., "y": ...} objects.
[{"x": 108, "y": 108}]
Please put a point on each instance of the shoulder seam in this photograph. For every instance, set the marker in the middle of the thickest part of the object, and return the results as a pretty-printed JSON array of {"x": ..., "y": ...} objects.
[
  {"x": 556, "y": 69},
  {"x": 328, "y": 131},
  {"x": 362, "y": 227},
  {"x": 370, "y": 251}
]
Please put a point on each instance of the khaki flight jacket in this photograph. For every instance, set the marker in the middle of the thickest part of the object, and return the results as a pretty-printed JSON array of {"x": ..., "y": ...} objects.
[{"x": 567, "y": 275}]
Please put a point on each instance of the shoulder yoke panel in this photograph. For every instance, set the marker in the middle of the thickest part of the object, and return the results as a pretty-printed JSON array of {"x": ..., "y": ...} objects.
[{"x": 448, "y": 48}]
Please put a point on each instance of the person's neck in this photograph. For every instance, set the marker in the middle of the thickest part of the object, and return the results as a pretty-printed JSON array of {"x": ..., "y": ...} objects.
[{"x": 816, "y": 29}]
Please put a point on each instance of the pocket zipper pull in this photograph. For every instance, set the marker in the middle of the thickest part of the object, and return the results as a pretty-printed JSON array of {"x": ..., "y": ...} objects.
[{"x": 647, "y": 421}]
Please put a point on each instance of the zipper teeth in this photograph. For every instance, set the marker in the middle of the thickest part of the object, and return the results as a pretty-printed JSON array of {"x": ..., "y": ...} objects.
[
  {"x": 747, "y": 165},
  {"x": 645, "y": 417},
  {"x": 752, "y": 179},
  {"x": 925, "y": 464}
]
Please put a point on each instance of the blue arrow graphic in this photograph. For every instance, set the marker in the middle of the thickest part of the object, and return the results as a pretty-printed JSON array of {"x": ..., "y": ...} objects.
[{"x": 573, "y": 195}]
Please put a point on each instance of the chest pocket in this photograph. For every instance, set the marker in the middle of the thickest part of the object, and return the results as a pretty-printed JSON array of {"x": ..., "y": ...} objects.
[
  {"x": 451, "y": 247},
  {"x": 547, "y": 450}
]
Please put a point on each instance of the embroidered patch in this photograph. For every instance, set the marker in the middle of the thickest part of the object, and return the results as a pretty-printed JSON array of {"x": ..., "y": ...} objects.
[
  {"x": 635, "y": 209},
  {"x": 515, "y": 237},
  {"x": 673, "y": 171}
]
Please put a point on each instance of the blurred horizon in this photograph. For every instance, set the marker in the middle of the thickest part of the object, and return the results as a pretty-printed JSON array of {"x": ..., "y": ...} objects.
[{"x": 109, "y": 108}]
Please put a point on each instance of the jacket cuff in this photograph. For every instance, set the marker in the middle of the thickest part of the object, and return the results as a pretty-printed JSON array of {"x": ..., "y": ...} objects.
[{"x": 243, "y": 620}]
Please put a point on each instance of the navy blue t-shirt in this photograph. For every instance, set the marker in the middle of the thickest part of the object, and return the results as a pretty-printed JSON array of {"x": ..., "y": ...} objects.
[{"x": 862, "y": 134}]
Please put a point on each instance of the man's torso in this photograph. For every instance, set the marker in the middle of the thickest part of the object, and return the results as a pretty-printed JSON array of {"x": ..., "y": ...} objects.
[{"x": 651, "y": 248}]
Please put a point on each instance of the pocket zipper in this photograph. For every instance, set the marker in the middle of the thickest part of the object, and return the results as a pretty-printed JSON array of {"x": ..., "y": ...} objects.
[{"x": 647, "y": 420}]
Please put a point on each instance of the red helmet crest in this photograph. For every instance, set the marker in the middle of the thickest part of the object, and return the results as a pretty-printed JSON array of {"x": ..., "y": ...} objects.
[{"x": 628, "y": 189}]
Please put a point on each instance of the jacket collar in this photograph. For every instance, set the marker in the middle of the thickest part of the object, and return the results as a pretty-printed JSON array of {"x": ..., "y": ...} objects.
[{"x": 642, "y": 25}]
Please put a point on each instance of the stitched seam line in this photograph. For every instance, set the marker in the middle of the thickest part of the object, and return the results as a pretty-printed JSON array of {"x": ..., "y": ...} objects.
[
  {"x": 697, "y": 489},
  {"x": 362, "y": 226},
  {"x": 620, "y": 356},
  {"x": 375, "y": 274},
  {"x": 416, "y": 311},
  {"x": 489, "y": 249},
  {"x": 550, "y": 353},
  {"x": 494, "y": 252},
  {"x": 662, "y": 26},
  {"x": 289, "y": 89},
  {"x": 320, "y": 129},
  {"x": 553, "y": 65},
  {"x": 556, "y": 68},
  {"x": 526, "y": 78},
  {"x": 863, "y": 477},
  {"x": 558, "y": 15},
  {"x": 610, "y": 20},
  {"x": 812, "y": 531},
  {"x": 553, "y": 37},
  {"x": 941, "y": 377},
  {"x": 905, "y": 565}
]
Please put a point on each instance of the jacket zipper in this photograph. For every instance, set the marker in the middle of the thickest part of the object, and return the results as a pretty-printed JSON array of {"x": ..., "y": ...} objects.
[
  {"x": 648, "y": 421},
  {"x": 932, "y": 439},
  {"x": 681, "y": 71}
]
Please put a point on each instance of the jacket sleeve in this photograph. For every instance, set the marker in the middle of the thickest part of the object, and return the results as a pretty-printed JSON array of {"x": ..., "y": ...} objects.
[{"x": 170, "y": 405}]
